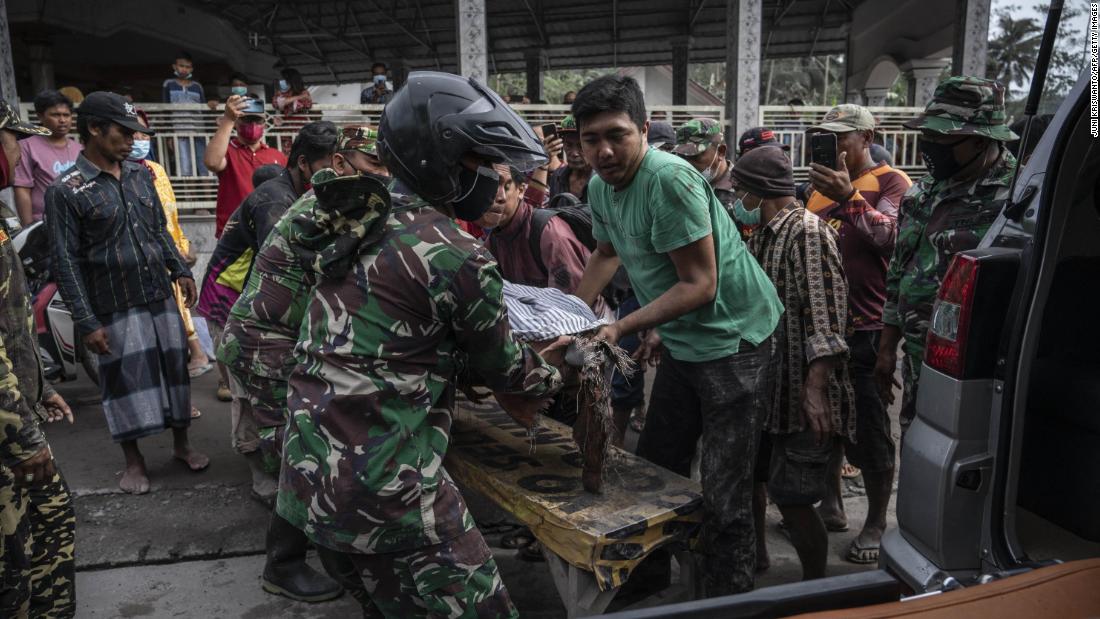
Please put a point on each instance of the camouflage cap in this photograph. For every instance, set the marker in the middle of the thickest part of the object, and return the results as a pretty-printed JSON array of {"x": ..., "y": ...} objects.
[
  {"x": 9, "y": 119},
  {"x": 846, "y": 117},
  {"x": 568, "y": 125},
  {"x": 358, "y": 137},
  {"x": 696, "y": 136},
  {"x": 966, "y": 105}
]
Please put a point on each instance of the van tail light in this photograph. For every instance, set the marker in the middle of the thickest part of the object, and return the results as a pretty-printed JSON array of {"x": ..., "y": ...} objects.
[{"x": 945, "y": 348}]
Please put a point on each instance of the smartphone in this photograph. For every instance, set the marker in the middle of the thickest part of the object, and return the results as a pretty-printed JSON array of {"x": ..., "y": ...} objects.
[
  {"x": 823, "y": 149},
  {"x": 549, "y": 130}
]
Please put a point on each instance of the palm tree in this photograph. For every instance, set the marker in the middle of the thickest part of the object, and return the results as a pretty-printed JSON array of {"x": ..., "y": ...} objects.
[{"x": 1011, "y": 56}]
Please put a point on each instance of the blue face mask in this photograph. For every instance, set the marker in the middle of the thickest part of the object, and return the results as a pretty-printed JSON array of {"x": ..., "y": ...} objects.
[
  {"x": 745, "y": 216},
  {"x": 379, "y": 79},
  {"x": 239, "y": 90},
  {"x": 140, "y": 150},
  {"x": 283, "y": 86}
]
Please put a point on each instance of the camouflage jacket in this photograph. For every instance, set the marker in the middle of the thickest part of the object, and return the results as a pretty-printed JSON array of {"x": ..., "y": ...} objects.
[
  {"x": 263, "y": 325},
  {"x": 371, "y": 399},
  {"x": 936, "y": 220},
  {"x": 22, "y": 385}
]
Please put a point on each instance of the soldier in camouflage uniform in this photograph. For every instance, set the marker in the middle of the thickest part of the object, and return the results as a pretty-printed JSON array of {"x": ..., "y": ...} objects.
[
  {"x": 386, "y": 330},
  {"x": 963, "y": 135},
  {"x": 700, "y": 141},
  {"x": 36, "y": 515},
  {"x": 348, "y": 203}
]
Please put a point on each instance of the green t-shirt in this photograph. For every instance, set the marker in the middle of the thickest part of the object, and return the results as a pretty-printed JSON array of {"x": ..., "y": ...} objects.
[{"x": 669, "y": 205}]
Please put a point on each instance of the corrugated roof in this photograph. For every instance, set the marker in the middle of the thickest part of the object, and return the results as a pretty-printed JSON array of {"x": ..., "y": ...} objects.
[{"x": 335, "y": 40}]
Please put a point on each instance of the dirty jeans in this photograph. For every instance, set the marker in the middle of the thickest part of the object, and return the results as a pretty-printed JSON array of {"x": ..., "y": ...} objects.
[{"x": 725, "y": 402}]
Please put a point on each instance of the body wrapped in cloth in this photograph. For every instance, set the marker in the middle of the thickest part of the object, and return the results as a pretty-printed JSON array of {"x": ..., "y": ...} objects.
[{"x": 545, "y": 314}]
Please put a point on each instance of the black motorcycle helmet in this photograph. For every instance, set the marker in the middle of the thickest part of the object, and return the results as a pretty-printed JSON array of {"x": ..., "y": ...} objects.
[{"x": 437, "y": 118}]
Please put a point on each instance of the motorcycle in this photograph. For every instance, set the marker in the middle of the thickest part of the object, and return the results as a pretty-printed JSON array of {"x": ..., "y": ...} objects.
[{"x": 58, "y": 344}]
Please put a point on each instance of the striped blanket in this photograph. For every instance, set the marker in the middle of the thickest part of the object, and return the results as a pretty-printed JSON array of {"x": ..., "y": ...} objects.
[
  {"x": 144, "y": 377},
  {"x": 539, "y": 314}
]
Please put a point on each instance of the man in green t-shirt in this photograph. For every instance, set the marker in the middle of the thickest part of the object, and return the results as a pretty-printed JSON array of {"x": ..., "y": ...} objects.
[{"x": 708, "y": 310}]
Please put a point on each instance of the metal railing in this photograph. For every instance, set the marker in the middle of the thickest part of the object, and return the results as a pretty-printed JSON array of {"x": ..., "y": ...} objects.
[
  {"x": 790, "y": 125},
  {"x": 183, "y": 130}
]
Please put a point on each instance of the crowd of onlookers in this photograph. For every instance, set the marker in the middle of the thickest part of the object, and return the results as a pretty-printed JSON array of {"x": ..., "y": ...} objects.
[{"x": 775, "y": 310}]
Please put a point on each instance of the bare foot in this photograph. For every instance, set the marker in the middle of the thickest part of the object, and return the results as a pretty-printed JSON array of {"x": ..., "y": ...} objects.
[
  {"x": 134, "y": 479},
  {"x": 193, "y": 459}
]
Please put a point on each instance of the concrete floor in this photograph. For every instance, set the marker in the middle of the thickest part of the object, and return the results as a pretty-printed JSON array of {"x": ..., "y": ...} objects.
[{"x": 193, "y": 546}]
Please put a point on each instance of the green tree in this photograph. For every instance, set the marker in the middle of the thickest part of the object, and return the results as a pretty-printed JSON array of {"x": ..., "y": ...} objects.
[
  {"x": 1011, "y": 56},
  {"x": 555, "y": 82}
]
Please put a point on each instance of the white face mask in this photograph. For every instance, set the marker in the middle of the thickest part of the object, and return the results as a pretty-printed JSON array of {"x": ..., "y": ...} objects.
[{"x": 712, "y": 169}]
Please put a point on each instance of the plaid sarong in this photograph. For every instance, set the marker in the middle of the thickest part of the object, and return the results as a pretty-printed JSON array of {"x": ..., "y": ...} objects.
[{"x": 144, "y": 378}]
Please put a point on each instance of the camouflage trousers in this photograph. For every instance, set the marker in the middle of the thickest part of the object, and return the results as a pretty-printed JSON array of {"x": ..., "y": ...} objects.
[
  {"x": 258, "y": 421},
  {"x": 455, "y": 579},
  {"x": 910, "y": 375},
  {"x": 37, "y": 573}
]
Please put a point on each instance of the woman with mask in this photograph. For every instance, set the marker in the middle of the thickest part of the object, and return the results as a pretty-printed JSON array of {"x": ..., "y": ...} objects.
[
  {"x": 200, "y": 363},
  {"x": 292, "y": 100}
]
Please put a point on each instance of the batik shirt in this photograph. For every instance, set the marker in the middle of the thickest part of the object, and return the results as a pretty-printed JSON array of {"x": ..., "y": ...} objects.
[
  {"x": 112, "y": 250},
  {"x": 938, "y": 219},
  {"x": 798, "y": 251},
  {"x": 22, "y": 386},
  {"x": 371, "y": 399}
]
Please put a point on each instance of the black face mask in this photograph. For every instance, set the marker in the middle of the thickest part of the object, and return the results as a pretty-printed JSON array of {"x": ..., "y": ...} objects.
[
  {"x": 479, "y": 190},
  {"x": 940, "y": 158}
]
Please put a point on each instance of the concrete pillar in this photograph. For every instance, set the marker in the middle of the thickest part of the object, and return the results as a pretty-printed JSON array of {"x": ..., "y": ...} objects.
[
  {"x": 971, "y": 37},
  {"x": 853, "y": 96},
  {"x": 875, "y": 97},
  {"x": 471, "y": 38},
  {"x": 742, "y": 66},
  {"x": 536, "y": 60},
  {"x": 681, "y": 53},
  {"x": 7, "y": 69},
  {"x": 399, "y": 72},
  {"x": 41, "y": 66},
  {"x": 8, "y": 91},
  {"x": 923, "y": 76}
]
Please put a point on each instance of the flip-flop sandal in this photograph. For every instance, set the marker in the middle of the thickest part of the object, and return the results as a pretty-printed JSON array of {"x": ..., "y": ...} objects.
[
  {"x": 532, "y": 553},
  {"x": 200, "y": 370},
  {"x": 517, "y": 540},
  {"x": 195, "y": 413},
  {"x": 862, "y": 555},
  {"x": 849, "y": 472}
]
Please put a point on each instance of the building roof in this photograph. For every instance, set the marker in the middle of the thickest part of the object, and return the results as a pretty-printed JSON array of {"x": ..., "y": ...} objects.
[{"x": 336, "y": 41}]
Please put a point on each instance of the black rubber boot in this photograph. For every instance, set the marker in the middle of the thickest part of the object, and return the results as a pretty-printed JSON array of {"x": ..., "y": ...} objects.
[{"x": 286, "y": 572}]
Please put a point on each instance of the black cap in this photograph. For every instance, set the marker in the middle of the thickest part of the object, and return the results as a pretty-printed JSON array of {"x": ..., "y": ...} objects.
[
  {"x": 758, "y": 136},
  {"x": 765, "y": 172},
  {"x": 114, "y": 108},
  {"x": 660, "y": 133}
]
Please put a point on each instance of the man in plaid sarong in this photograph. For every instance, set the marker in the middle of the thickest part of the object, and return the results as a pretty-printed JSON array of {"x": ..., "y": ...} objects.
[{"x": 115, "y": 263}]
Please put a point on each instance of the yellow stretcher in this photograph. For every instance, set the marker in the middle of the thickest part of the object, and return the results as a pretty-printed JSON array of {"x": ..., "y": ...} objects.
[{"x": 591, "y": 542}]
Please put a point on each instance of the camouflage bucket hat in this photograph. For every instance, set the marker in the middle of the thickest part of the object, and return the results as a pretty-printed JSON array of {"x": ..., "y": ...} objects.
[
  {"x": 696, "y": 135},
  {"x": 359, "y": 137},
  {"x": 965, "y": 105},
  {"x": 9, "y": 119},
  {"x": 568, "y": 125}
]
